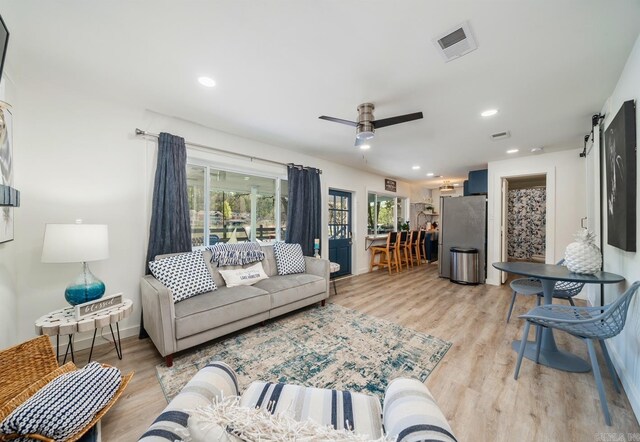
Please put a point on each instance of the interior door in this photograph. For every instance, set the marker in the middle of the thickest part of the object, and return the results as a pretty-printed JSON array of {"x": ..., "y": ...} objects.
[
  {"x": 504, "y": 239},
  {"x": 340, "y": 242}
]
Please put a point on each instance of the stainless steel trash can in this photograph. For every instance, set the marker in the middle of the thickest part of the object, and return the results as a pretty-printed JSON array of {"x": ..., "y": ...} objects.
[{"x": 464, "y": 265}]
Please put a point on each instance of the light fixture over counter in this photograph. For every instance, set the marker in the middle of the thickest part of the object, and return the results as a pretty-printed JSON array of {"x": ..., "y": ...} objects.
[{"x": 446, "y": 186}]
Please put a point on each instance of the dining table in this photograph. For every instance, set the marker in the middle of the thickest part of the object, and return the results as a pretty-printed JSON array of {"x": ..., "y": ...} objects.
[{"x": 549, "y": 275}]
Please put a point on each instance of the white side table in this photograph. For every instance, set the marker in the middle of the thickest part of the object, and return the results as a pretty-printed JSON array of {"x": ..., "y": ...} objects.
[
  {"x": 333, "y": 268},
  {"x": 64, "y": 322}
]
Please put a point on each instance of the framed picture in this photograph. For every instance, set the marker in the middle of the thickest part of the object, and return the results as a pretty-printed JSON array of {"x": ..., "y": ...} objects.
[
  {"x": 620, "y": 164},
  {"x": 6, "y": 171},
  {"x": 389, "y": 185}
]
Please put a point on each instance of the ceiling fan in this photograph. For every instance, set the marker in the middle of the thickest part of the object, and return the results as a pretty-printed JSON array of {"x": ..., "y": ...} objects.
[{"x": 366, "y": 125}]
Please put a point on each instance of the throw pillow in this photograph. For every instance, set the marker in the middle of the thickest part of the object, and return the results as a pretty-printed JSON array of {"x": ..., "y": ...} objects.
[
  {"x": 186, "y": 275},
  {"x": 246, "y": 276},
  {"x": 66, "y": 404},
  {"x": 289, "y": 258}
]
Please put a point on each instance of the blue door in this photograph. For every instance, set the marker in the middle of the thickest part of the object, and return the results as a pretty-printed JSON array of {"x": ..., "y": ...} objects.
[{"x": 340, "y": 231}]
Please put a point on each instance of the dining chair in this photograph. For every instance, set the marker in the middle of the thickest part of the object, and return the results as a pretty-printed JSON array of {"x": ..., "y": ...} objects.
[
  {"x": 416, "y": 246},
  {"x": 533, "y": 286},
  {"x": 387, "y": 254},
  {"x": 586, "y": 323}
]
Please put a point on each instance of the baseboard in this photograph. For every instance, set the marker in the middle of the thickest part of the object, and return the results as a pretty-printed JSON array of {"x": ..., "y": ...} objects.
[
  {"x": 630, "y": 388},
  {"x": 82, "y": 341}
]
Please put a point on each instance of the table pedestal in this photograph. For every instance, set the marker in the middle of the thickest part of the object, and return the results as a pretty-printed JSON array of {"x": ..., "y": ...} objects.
[{"x": 549, "y": 353}]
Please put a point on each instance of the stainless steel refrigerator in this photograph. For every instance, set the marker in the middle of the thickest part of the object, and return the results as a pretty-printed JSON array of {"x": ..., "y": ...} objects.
[{"x": 463, "y": 223}]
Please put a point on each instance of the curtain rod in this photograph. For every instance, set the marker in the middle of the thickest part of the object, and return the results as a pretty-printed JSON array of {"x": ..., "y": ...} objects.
[{"x": 144, "y": 133}]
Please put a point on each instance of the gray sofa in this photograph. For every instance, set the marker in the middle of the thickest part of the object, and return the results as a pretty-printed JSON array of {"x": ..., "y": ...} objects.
[{"x": 174, "y": 327}]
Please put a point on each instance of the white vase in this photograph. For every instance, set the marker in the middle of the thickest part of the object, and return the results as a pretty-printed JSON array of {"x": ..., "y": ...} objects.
[{"x": 583, "y": 256}]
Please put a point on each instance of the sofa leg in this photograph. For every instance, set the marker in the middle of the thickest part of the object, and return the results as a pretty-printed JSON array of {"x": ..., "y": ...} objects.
[
  {"x": 263, "y": 323},
  {"x": 323, "y": 302},
  {"x": 168, "y": 359}
]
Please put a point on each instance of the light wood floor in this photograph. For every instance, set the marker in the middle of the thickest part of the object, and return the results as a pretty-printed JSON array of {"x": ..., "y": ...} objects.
[{"x": 473, "y": 384}]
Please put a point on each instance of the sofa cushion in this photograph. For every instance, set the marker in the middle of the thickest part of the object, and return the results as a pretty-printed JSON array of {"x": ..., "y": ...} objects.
[
  {"x": 186, "y": 275},
  {"x": 225, "y": 305},
  {"x": 290, "y": 288},
  {"x": 289, "y": 258},
  {"x": 269, "y": 262},
  {"x": 339, "y": 409}
]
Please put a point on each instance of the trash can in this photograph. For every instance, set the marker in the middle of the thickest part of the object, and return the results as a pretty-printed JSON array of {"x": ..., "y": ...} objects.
[{"x": 464, "y": 265}]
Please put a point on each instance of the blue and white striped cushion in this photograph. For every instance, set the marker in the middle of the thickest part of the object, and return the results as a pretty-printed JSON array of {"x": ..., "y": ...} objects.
[
  {"x": 226, "y": 254},
  {"x": 411, "y": 413},
  {"x": 340, "y": 409},
  {"x": 66, "y": 404},
  {"x": 217, "y": 379}
]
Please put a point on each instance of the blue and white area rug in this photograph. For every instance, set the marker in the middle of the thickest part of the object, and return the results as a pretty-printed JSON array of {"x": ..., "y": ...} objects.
[{"x": 325, "y": 347}]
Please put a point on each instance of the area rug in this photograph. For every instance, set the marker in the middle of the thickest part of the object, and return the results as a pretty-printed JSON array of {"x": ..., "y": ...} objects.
[{"x": 325, "y": 347}]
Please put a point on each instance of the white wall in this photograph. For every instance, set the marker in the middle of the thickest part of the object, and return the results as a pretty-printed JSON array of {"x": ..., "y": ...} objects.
[
  {"x": 625, "y": 348},
  {"x": 565, "y": 201},
  {"x": 8, "y": 269},
  {"x": 77, "y": 157}
]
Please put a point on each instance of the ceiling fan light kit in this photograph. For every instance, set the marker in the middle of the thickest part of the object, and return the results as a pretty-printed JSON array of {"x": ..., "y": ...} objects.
[
  {"x": 446, "y": 186},
  {"x": 366, "y": 125}
]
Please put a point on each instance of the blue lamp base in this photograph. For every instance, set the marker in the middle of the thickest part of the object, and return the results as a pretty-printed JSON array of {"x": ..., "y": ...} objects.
[{"x": 86, "y": 287}]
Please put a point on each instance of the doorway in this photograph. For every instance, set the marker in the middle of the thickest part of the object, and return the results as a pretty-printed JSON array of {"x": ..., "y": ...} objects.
[
  {"x": 524, "y": 219},
  {"x": 340, "y": 231}
]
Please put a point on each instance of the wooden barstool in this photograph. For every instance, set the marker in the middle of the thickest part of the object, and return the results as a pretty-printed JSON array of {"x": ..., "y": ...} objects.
[
  {"x": 388, "y": 254},
  {"x": 404, "y": 250},
  {"x": 416, "y": 246}
]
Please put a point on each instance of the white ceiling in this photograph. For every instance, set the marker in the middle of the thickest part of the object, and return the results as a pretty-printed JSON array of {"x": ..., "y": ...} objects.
[{"x": 548, "y": 65}]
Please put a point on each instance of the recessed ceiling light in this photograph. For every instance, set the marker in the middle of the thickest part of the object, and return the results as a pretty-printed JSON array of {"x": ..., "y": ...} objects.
[
  {"x": 489, "y": 113},
  {"x": 430, "y": 174},
  {"x": 365, "y": 146},
  {"x": 513, "y": 151},
  {"x": 537, "y": 149},
  {"x": 207, "y": 81},
  {"x": 247, "y": 178},
  {"x": 415, "y": 167}
]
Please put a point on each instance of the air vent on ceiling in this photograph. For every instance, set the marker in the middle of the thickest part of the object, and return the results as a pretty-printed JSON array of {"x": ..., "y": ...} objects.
[
  {"x": 456, "y": 42},
  {"x": 500, "y": 135}
]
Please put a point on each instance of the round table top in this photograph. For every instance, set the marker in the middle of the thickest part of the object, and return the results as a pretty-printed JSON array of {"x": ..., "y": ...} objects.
[
  {"x": 64, "y": 322},
  {"x": 556, "y": 273},
  {"x": 334, "y": 267}
]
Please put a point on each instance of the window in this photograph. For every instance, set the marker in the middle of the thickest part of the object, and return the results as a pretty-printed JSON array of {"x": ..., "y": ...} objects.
[
  {"x": 239, "y": 206},
  {"x": 385, "y": 213},
  {"x": 339, "y": 217}
]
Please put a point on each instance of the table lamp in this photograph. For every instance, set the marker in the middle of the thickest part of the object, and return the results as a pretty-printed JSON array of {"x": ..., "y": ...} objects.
[{"x": 78, "y": 242}]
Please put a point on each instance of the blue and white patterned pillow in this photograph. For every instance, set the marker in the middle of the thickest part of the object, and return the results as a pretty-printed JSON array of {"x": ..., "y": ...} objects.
[
  {"x": 66, "y": 404},
  {"x": 186, "y": 275},
  {"x": 289, "y": 258}
]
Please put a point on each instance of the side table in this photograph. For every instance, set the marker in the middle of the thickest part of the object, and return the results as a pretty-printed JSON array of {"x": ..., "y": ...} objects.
[
  {"x": 333, "y": 268},
  {"x": 64, "y": 322}
]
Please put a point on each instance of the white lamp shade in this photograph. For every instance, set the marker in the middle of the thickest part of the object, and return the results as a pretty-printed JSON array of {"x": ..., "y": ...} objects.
[{"x": 75, "y": 242}]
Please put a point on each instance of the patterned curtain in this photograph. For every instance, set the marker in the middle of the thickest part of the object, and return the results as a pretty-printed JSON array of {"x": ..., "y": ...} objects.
[
  {"x": 526, "y": 226},
  {"x": 304, "y": 210}
]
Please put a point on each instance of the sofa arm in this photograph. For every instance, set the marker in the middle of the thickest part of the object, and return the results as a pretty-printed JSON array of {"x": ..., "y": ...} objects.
[
  {"x": 158, "y": 313},
  {"x": 318, "y": 267},
  {"x": 216, "y": 380},
  {"x": 410, "y": 413}
]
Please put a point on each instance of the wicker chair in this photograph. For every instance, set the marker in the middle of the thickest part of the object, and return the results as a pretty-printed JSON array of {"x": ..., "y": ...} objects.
[
  {"x": 27, "y": 367},
  {"x": 587, "y": 323},
  {"x": 532, "y": 286}
]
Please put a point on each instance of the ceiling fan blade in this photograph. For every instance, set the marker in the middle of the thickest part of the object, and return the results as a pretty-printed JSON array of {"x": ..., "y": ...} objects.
[
  {"x": 339, "y": 120},
  {"x": 396, "y": 120}
]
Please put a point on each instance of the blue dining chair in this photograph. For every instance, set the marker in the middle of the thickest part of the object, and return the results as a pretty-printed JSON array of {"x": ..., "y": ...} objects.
[
  {"x": 586, "y": 323},
  {"x": 533, "y": 286}
]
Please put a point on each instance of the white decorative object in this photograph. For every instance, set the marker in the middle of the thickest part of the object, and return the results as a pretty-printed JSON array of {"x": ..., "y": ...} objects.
[
  {"x": 583, "y": 256},
  {"x": 93, "y": 307}
]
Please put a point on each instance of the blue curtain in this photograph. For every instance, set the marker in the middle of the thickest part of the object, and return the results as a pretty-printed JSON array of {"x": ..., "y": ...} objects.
[
  {"x": 304, "y": 209},
  {"x": 170, "y": 229}
]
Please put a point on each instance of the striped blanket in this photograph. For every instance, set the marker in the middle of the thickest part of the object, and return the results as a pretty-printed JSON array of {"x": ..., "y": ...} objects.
[{"x": 225, "y": 254}]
